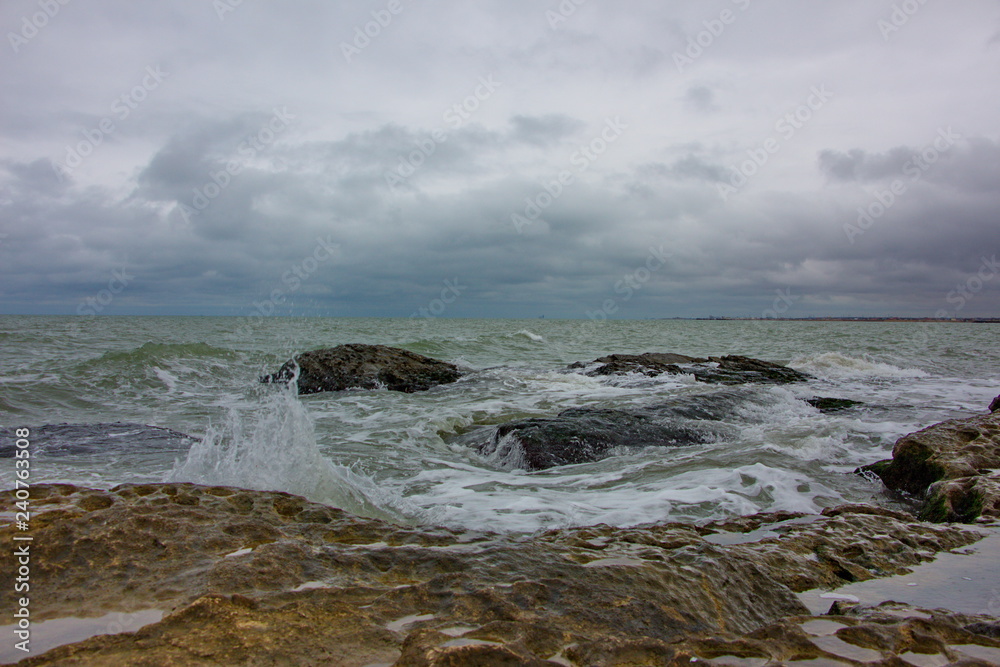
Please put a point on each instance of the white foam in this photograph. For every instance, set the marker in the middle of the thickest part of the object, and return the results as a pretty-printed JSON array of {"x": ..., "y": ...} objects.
[
  {"x": 530, "y": 335},
  {"x": 272, "y": 446},
  {"x": 169, "y": 379},
  {"x": 834, "y": 365}
]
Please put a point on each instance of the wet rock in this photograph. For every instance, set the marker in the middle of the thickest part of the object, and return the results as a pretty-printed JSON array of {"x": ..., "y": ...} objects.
[
  {"x": 581, "y": 435},
  {"x": 964, "y": 499},
  {"x": 650, "y": 364},
  {"x": 254, "y": 577},
  {"x": 734, "y": 369},
  {"x": 731, "y": 369},
  {"x": 955, "y": 454},
  {"x": 83, "y": 439},
  {"x": 359, "y": 366},
  {"x": 827, "y": 405},
  {"x": 948, "y": 450},
  {"x": 995, "y": 404}
]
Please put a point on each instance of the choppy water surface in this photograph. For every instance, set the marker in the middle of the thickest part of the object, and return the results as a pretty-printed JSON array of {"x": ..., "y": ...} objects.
[{"x": 393, "y": 455}]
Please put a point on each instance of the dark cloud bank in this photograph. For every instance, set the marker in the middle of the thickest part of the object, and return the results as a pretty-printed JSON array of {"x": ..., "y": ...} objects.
[{"x": 194, "y": 159}]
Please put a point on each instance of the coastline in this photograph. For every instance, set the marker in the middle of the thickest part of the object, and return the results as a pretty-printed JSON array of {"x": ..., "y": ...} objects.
[{"x": 248, "y": 576}]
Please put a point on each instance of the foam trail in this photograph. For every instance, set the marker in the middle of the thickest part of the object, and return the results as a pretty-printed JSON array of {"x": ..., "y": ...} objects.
[
  {"x": 272, "y": 447},
  {"x": 841, "y": 366}
]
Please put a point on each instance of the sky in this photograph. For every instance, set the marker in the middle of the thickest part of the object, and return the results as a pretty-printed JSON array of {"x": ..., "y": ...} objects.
[{"x": 500, "y": 158}]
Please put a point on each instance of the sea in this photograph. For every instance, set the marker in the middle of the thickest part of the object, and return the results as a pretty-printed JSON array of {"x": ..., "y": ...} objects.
[{"x": 401, "y": 457}]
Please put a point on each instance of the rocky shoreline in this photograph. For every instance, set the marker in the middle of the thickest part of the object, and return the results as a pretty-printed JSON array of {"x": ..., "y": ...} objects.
[
  {"x": 259, "y": 577},
  {"x": 254, "y": 577}
]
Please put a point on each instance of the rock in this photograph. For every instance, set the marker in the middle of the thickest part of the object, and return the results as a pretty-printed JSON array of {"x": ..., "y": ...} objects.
[
  {"x": 734, "y": 369},
  {"x": 957, "y": 453},
  {"x": 257, "y": 577},
  {"x": 827, "y": 405},
  {"x": 964, "y": 499},
  {"x": 995, "y": 404},
  {"x": 359, "y": 366},
  {"x": 580, "y": 435},
  {"x": 730, "y": 369},
  {"x": 650, "y": 364},
  {"x": 83, "y": 439},
  {"x": 948, "y": 450}
]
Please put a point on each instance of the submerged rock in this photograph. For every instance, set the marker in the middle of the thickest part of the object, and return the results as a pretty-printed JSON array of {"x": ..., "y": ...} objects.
[
  {"x": 731, "y": 369},
  {"x": 650, "y": 364},
  {"x": 82, "y": 439},
  {"x": 581, "y": 435},
  {"x": 257, "y": 577},
  {"x": 827, "y": 405},
  {"x": 734, "y": 369},
  {"x": 995, "y": 404},
  {"x": 947, "y": 466},
  {"x": 360, "y": 366}
]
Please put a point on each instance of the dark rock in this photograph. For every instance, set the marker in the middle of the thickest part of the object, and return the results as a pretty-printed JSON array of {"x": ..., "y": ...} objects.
[
  {"x": 580, "y": 435},
  {"x": 359, "y": 366},
  {"x": 734, "y": 369},
  {"x": 258, "y": 577},
  {"x": 83, "y": 439},
  {"x": 995, "y": 404},
  {"x": 827, "y": 405},
  {"x": 729, "y": 370},
  {"x": 650, "y": 364}
]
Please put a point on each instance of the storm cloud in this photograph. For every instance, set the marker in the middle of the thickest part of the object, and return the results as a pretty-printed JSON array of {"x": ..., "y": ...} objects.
[{"x": 323, "y": 159}]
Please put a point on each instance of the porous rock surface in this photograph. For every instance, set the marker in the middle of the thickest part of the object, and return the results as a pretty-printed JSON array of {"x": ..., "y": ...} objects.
[
  {"x": 730, "y": 369},
  {"x": 362, "y": 366},
  {"x": 256, "y": 577},
  {"x": 951, "y": 466}
]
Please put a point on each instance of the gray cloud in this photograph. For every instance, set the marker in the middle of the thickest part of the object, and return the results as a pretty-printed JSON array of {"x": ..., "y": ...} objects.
[{"x": 542, "y": 138}]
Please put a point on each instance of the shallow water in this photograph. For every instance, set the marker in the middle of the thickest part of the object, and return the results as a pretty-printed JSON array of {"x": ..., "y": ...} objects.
[{"x": 395, "y": 456}]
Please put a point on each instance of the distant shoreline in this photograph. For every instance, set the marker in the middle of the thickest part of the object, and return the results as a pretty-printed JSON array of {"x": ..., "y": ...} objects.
[{"x": 974, "y": 320}]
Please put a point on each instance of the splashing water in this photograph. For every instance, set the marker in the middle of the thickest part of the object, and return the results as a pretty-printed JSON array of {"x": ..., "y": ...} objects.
[{"x": 271, "y": 446}]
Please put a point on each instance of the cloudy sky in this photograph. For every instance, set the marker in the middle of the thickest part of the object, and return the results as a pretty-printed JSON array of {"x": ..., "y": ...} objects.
[{"x": 500, "y": 158}]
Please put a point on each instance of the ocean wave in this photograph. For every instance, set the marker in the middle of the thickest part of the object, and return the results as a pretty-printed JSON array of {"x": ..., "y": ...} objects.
[
  {"x": 530, "y": 335},
  {"x": 272, "y": 446},
  {"x": 164, "y": 351},
  {"x": 834, "y": 365}
]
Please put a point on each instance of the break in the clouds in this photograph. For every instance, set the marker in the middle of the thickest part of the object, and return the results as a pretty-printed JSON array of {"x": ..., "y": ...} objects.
[{"x": 570, "y": 158}]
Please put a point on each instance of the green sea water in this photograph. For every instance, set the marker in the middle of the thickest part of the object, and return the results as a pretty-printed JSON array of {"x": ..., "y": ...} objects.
[{"x": 394, "y": 455}]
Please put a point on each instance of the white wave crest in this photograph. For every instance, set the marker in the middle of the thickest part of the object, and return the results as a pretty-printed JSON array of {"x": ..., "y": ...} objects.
[
  {"x": 272, "y": 446},
  {"x": 835, "y": 365},
  {"x": 529, "y": 335}
]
